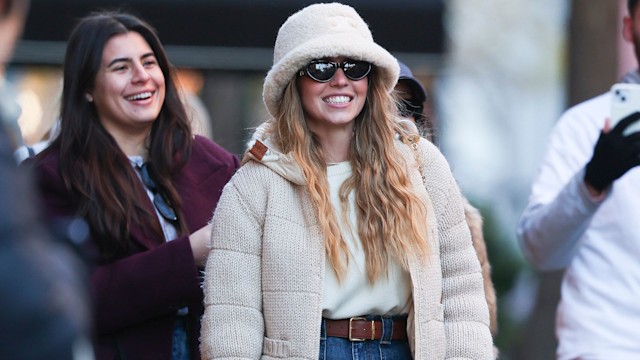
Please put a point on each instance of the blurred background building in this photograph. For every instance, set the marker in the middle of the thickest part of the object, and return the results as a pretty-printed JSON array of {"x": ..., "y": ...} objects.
[
  {"x": 225, "y": 47},
  {"x": 499, "y": 74}
]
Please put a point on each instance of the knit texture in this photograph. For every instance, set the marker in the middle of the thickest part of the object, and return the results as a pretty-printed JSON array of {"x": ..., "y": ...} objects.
[
  {"x": 321, "y": 31},
  {"x": 264, "y": 276}
]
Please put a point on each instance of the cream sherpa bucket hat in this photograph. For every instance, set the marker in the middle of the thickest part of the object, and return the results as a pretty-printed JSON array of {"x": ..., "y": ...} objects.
[{"x": 320, "y": 31}]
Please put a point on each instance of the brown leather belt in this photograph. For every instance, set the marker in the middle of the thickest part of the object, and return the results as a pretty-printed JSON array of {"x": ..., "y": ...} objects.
[{"x": 361, "y": 329}]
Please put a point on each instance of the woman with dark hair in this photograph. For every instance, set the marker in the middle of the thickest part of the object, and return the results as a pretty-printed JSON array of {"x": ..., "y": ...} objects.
[
  {"x": 342, "y": 236},
  {"x": 126, "y": 161}
]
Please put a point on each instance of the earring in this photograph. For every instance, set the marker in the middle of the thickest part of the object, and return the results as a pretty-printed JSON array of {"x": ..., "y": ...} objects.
[{"x": 89, "y": 97}]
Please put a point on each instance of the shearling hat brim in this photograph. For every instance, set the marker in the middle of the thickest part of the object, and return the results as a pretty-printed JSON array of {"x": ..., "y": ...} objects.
[{"x": 356, "y": 45}]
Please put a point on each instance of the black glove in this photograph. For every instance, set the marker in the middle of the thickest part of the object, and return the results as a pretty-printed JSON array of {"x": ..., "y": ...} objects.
[{"x": 613, "y": 155}]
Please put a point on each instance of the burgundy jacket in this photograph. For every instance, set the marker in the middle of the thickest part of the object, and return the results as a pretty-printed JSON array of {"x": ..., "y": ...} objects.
[{"x": 136, "y": 296}]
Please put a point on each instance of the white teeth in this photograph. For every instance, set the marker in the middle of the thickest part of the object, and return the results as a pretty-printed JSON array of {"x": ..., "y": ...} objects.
[
  {"x": 337, "y": 99},
  {"x": 141, "y": 96}
]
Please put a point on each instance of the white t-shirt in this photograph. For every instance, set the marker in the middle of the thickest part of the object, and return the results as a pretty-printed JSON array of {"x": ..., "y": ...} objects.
[{"x": 354, "y": 296}]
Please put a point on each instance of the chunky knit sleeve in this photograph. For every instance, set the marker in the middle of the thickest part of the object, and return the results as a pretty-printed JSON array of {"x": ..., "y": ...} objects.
[
  {"x": 232, "y": 325},
  {"x": 466, "y": 315}
]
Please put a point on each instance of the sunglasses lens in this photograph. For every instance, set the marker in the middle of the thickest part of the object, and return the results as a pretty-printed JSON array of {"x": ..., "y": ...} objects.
[
  {"x": 146, "y": 178},
  {"x": 164, "y": 208},
  {"x": 321, "y": 70},
  {"x": 161, "y": 204},
  {"x": 356, "y": 70}
]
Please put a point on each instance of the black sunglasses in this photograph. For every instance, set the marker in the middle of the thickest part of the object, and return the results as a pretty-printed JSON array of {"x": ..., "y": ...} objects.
[
  {"x": 324, "y": 70},
  {"x": 160, "y": 202}
]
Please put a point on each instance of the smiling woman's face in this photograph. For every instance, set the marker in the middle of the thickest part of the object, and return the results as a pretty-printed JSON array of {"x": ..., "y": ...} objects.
[
  {"x": 129, "y": 86},
  {"x": 332, "y": 104}
]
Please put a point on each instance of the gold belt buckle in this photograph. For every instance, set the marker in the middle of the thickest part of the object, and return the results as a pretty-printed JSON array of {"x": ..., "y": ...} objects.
[{"x": 373, "y": 329}]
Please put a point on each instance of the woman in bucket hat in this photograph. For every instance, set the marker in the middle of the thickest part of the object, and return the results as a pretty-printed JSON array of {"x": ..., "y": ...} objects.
[{"x": 337, "y": 239}]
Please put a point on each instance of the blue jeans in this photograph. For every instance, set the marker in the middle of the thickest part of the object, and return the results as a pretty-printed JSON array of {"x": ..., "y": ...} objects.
[
  {"x": 180, "y": 346},
  {"x": 385, "y": 348}
]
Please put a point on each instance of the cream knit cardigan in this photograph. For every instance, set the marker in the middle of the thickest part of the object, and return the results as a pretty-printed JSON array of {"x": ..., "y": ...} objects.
[{"x": 264, "y": 275}]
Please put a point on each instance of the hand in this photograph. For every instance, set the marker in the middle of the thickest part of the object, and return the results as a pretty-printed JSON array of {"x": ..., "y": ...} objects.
[
  {"x": 613, "y": 155},
  {"x": 200, "y": 244}
]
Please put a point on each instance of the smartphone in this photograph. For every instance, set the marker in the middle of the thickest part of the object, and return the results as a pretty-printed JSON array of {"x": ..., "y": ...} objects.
[{"x": 625, "y": 100}]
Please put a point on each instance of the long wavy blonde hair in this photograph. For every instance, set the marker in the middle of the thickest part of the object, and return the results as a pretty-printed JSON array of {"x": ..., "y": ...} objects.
[{"x": 391, "y": 216}]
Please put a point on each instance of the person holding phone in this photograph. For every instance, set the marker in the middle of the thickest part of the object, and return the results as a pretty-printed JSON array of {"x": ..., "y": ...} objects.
[
  {"x": 582, "y": 216},
  {"x": 126, "y": 161},
  {"x": 341, "y": 236}
]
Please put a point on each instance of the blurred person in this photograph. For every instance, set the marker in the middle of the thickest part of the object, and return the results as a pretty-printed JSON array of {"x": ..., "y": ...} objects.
[
  {"x": 582, "y": 216},
  {"x": 191, "y": 84},
  {"x": 126, "y": 161},
  {"x": 412, "y": 95},
  {"x": 44, "y": 305},
  {"x": 12, "y": 16},
  {"x": 25, "y": 151},
  {"x": 313, "y": 254}
]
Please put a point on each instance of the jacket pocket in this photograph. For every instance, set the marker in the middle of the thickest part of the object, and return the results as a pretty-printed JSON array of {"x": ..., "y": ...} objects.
[
  {"x": 439, "y": 313},
  {"x": 276, "y": 348},
  {"x": 436, "y": 344},
  {"x": 432, "y": 334}
]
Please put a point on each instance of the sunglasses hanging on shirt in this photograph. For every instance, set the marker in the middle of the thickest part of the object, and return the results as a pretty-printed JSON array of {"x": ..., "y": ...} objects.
[{"x": 159, "y": 201}]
